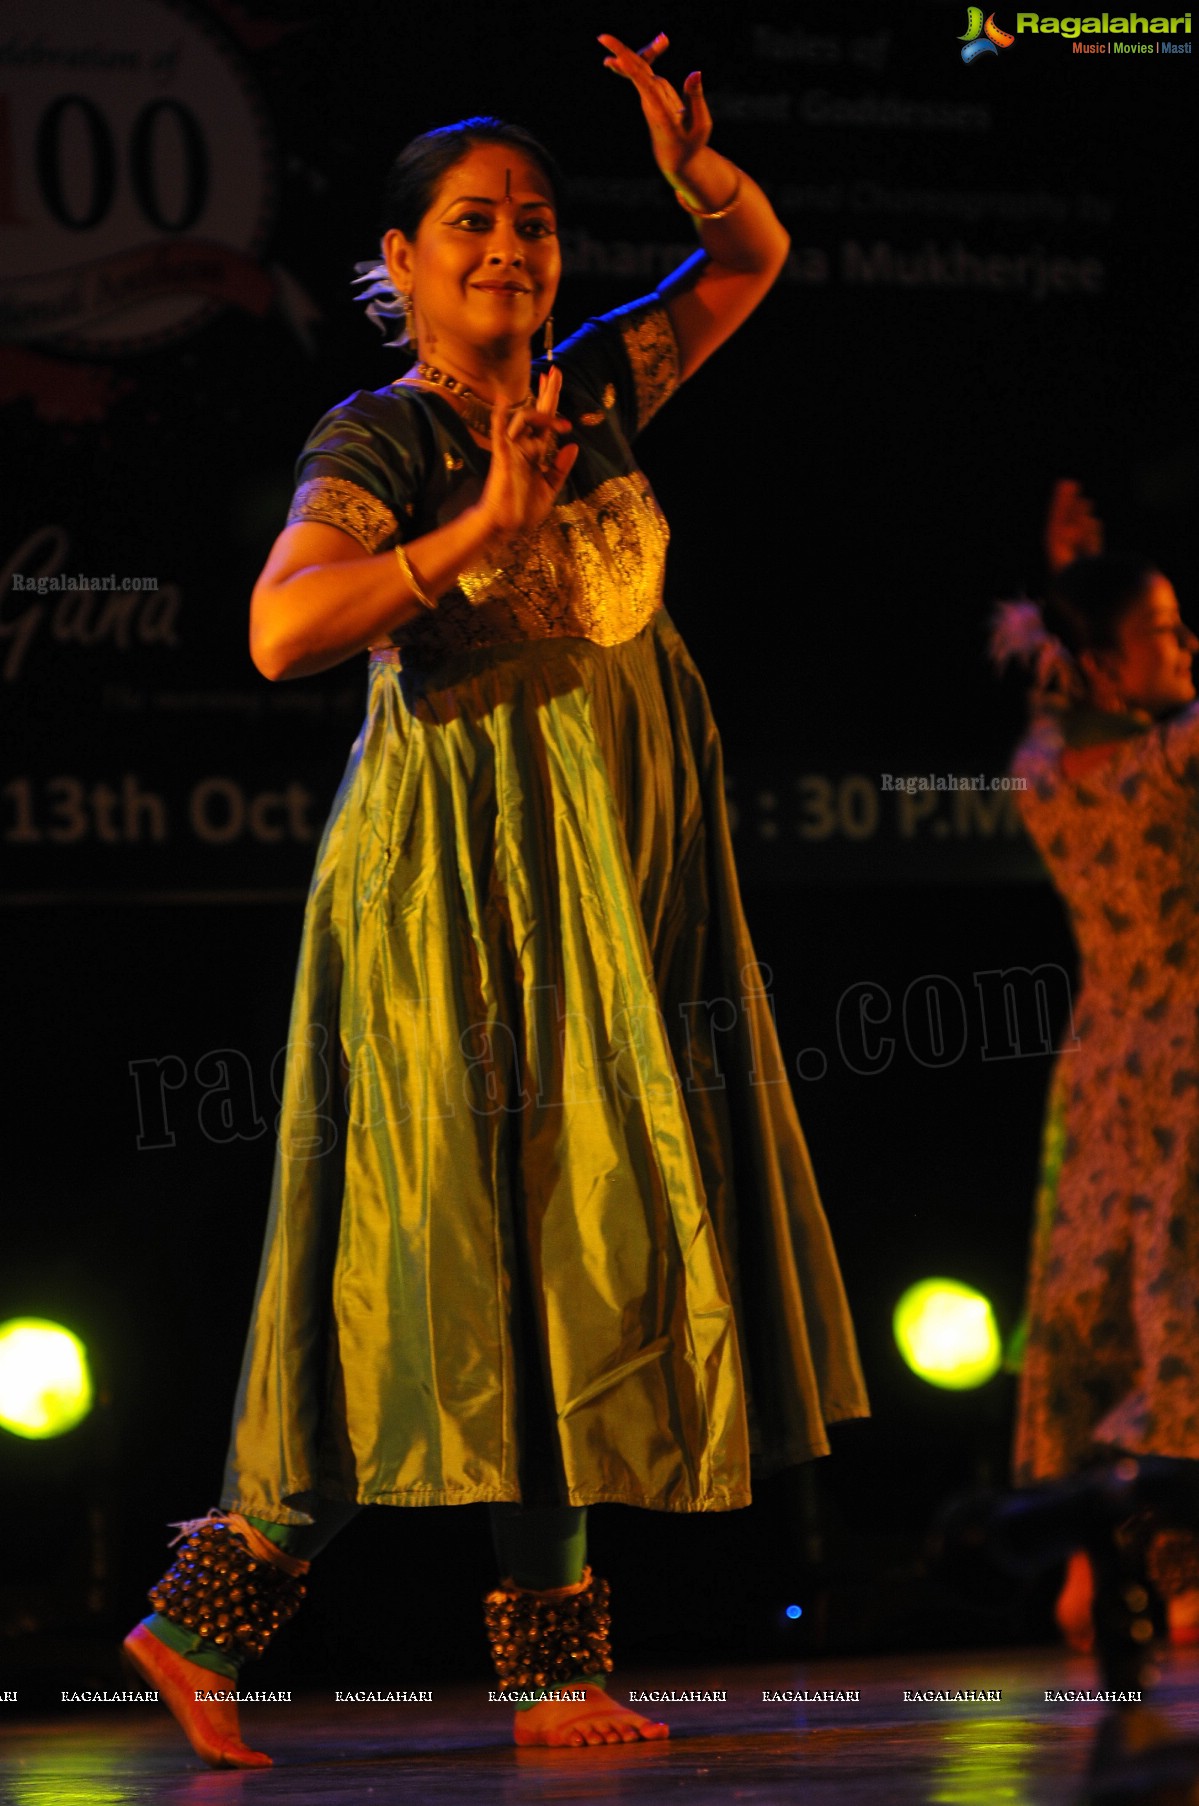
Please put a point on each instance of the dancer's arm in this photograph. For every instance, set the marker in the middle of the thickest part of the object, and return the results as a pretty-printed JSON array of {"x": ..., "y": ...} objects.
[
  {"x": 712, "y": 293},
  {"x": 322, "y": 596}
]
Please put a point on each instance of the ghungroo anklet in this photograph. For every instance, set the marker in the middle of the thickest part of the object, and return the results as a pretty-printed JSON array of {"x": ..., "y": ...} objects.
[
  {"x": 542, "y": 1639},
  {"x": 228, "y": 1591},
  {"x": 1173, "y": 1562}
]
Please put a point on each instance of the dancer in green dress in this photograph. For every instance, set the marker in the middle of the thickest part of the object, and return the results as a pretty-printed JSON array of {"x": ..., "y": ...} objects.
[{"x": 543, "y": 1231}]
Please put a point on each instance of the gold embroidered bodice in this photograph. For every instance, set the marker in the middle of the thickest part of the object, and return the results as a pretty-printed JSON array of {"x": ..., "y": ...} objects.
[{"x": 593, "y": 569}]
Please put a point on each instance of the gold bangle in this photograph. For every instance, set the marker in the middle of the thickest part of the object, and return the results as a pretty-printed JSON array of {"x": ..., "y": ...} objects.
[
  {"x": 410, "y": 579},
  {"x": 717, "y": 212}
]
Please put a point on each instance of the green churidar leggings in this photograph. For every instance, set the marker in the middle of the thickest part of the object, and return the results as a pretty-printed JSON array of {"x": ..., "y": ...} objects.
[{"x": 535, "y": 1547}]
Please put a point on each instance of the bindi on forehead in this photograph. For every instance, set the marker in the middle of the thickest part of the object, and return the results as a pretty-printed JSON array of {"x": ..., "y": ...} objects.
[
  {"x": 478, "y": 179},
  {"x": 494, "y": 167}
]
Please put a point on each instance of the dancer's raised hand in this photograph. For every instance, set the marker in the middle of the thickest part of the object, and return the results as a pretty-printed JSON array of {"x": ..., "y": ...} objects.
[
  {"x": 679, "y": 124},
  {"x": 1072, "y": 528}
]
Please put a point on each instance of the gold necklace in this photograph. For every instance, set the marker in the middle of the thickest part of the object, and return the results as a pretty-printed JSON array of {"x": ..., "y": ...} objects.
[{"x": 476, "y": 412}]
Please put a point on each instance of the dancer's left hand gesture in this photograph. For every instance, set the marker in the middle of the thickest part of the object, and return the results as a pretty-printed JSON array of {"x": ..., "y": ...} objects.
[
  {"x": 528, "y": 463},
  {"x": 679, "y": 125}
]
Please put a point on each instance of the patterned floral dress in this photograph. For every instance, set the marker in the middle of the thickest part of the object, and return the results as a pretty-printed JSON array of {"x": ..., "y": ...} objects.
[
  {"x": 543, "y": 1227},
  {"x": 1113, "y": 1348}
]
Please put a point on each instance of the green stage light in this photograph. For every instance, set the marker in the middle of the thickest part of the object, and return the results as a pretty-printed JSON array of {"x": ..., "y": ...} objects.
[
  {"x": 45, "y": 1381},
  {"x": 946, "y": 1332}
]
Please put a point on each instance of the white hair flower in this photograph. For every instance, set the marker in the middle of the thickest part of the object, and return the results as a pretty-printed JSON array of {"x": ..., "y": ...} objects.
[
  {"x": 1019, "y": 633},
  {"x": 383, "y": 304}
]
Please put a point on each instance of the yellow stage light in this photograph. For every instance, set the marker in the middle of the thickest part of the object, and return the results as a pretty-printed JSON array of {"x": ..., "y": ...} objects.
[
  {"x": 946, "y": 1332},
  {"x": 45, "y": 1381}
]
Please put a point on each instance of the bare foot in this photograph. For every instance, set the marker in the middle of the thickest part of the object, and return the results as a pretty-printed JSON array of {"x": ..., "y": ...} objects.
[
  {"x": 210, "y": 1726},
  {"x": 563, "y": 1724}
]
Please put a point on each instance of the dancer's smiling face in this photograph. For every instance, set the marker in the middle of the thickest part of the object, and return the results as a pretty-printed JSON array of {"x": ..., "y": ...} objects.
[
  {"x": 1150, "y": 665},
  {"x": 484, "y": 263}
]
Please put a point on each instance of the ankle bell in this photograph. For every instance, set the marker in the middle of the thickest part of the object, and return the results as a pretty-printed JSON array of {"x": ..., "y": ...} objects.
[
  {"x": 542, "y": 1639},
  {"x": 225, "y": 1588}
]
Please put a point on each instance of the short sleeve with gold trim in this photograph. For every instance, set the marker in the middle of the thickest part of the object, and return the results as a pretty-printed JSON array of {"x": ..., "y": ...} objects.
[
  {"x": 362, "y": 470},
  {"x": 627, "y": 359}
]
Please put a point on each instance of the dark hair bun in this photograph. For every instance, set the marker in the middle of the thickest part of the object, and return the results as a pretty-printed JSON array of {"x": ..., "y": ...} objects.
[{"x": 1088, "y": 600}]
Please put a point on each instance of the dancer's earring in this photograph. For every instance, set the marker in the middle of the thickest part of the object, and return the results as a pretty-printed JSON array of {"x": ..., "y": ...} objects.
[{"x": 548, "y": 339}]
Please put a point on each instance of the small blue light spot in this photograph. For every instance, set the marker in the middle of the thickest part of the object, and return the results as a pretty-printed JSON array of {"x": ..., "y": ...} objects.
[{"x": 795, "y": 1611}]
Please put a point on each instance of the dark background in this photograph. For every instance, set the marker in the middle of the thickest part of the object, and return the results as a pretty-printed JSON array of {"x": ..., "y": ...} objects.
[{"x": 851, "y": 485}]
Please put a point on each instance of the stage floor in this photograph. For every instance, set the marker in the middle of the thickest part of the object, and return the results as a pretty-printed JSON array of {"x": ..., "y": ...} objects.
[{"x": 1020, "y": 1750}]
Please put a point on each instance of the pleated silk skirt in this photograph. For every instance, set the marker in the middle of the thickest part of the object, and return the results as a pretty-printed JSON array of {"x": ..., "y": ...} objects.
[{"x": 543, "y": 1225}]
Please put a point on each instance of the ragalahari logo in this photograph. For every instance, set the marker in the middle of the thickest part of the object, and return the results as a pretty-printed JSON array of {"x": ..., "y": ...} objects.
[{"x": 983, "y": 38}]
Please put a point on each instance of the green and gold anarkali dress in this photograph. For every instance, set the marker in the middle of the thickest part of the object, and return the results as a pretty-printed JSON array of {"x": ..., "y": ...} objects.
[{"x": 543, "y": 1226}]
